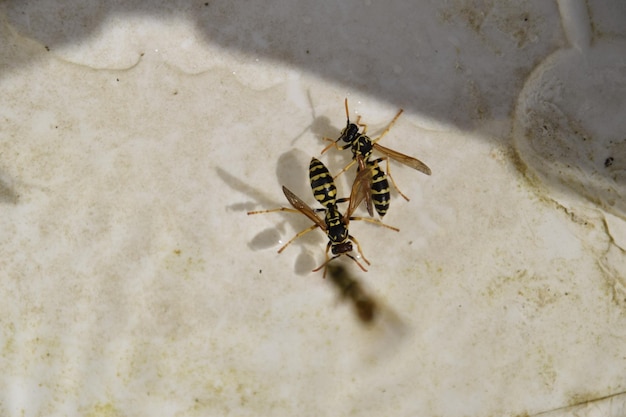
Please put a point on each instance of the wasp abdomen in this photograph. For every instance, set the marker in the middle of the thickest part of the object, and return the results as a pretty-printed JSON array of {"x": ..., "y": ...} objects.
[
  {"x": 322, "y": 183},
  {"x": 380, "y": 189}
]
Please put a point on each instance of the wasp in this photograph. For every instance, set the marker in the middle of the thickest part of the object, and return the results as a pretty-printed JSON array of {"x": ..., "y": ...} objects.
[
  {"x": 362, "y": 148},
  {"x": 334, "y": 224}
]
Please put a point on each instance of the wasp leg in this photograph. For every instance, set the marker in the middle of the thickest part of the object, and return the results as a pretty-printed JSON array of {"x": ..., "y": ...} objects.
[
  {"x": 347, "y": 167},
  {"x": 359, "y": 124},
  {"x": 326, "y": 261},
  {"x": 358, "y": 246},
  {"x": 375, "y": 221},
  {"x": 335, "y": 144},
  {"x": 290, "y": 210},
  {"x": 324, "y": 265},
  {"x": 299, "y": 234},
  {"x": 388, "y": 126}
]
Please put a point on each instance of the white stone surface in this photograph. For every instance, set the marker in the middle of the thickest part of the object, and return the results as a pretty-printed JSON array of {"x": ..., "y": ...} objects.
[{"x": 135, "y": 136}]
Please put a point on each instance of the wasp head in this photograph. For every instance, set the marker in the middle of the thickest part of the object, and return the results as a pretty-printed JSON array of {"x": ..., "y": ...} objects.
[
  {"x": 342, "y": 248},
  {"x": 349, "y": 133}
]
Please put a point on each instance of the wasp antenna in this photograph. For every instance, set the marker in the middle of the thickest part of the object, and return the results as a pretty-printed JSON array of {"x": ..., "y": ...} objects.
[
  {"x": 357, "y": 262},
  {"x": 324, "y": 265}
]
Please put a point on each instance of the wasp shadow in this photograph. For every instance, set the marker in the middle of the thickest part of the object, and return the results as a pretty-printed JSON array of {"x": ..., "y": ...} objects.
[
  {"x": 320, "y": 126},
  {"x": 292, "y": 172},
  {"x": 367, "y": 309}
]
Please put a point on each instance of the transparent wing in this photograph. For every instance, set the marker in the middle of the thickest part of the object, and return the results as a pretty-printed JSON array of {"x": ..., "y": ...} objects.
[
  {"x": 303, "y": 208},
  {"x": 361, "y": 190},
  {"x": 367, "y": 184},
  {"x": 404, "y": 159}
]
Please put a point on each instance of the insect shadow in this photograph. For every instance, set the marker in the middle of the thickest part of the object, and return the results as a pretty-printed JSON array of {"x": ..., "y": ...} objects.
[
  {"x": 320, "y": 126},
  {"x": 291, "y": 171}
]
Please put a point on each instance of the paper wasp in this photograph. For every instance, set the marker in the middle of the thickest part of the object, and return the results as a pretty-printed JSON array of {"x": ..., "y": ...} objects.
[
  {"x": 362, "y": 147},
  {"x": 335, "y": 225}
]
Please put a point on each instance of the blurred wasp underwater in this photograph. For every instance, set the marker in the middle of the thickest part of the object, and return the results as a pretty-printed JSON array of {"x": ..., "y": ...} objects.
[
  {"x": 335, "y": 225},
  {"x": 350, "y": 288},
  {"x": 362, "y": 148}
]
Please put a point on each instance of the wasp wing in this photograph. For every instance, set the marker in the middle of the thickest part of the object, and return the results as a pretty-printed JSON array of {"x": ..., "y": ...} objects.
[
  {"x": 361, "y": 190},
  {"x": 367, "y": 183},
  {"x": 303, "y": 208},
  {"x": 404, "y": 159}
]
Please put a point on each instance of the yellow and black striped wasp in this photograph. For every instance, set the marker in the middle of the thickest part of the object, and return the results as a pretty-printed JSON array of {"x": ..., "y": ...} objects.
[
  {"x": 362, "y": 147},
  {"x": 335, "y": 225}
]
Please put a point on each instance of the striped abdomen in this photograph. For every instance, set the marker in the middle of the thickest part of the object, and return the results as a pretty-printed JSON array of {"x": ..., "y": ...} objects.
[
  {"x": 322, "y": 183},
  {"x": 380, "y": 189}
]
